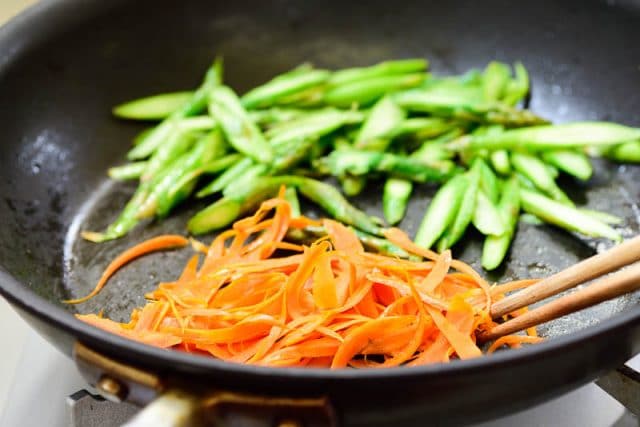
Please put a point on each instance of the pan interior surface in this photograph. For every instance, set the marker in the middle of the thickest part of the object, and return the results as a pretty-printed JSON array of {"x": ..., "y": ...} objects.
[{"x": 59, "y": 137}]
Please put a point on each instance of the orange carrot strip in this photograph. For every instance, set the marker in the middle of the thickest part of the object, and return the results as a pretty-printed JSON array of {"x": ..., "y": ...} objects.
[
  {"x": 465, "y": 268},
  {"x": 405, "y": 290},
  {"x": 464, "y": 347},
  {"x": 400, "y": 238},
  {"x": 157, "y": 339},
  {"x": 513, "y": 340},
  {"x": 151, "y": 316},
  {"x": 190, "y": 270},
  {"x": 152, "y": 245},
  {"x": 438, "y": 273},
  {"x": 355, "y": 341},
  {"x": 343, "y": 239},
  {"x": 198, "y": 246},
  {"x": 297, "y": 280},
  {"x": 324, "y": 284},
  {"x": 239, "y": 332}
]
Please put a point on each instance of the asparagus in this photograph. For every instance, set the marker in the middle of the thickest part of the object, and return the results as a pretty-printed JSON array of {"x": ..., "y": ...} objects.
[
  {"x": 195, "y": 105},
  {"x": 500, "y": 162},
  {"x": 127, "y": 172},
  {"x": 488, "y": 180},
  {"x": 442, "y": 211},
  {"x": 495, "y": 247},
  {"x": 627, "y": 152},
  {"x": 156, "y": 107},
  {"x": 396, "y": 193},
  {"x": 603, "y": 216},
  {"x": 553, "y": 171},
  {"x": 527, "y": 218},
  {"x": 177, "y": 143},
  {"x": 308, "y": 98},
  {"x": 220, "y": 164},
  {"x": 486, "y": 217},
  {"x": 329, "y": 198},
  {"x": 495, "y": 80},
  {"x": 367, "y": 91},
  {"x": 352, "y": 185},
  {"x": 384, "y": 118},
  {"x": 465, "y": 212},
  {"x": 239, "y": 130},
  {"x": 381, "y": 69},
  {"x": 144, "y": 203},
  {"x": 518, "y": 88},
  {"x": 562, "y": 136},
  {"x": 165, "y": 182},
  {"x": 313, "y": 125},
  {"x": 288, "y": 155},
  {"x": 463, "y": 104},
  {"x": 141, "y": 136},
  {"x": 395, "y": 198},
  {"x": 172, "y": 188},
  {"x": 281, "y": 86},
  {"x": 212, "y": 167},
  {"x": 230, "y": 175},
  {"x": 432, "y": 150},
  {"x": 356, "y": 162},
  {"x": 374, "y": 135},
  {"x": 291, "y": 195},
  {"x": 573, "y": 162},
  {"x": 275, "y": 115},
  {"x": 127, "y": 219},
  {"x": 565, "y": 216},
  {"x": 536, "y": 171},
  {"x": 228, "y": 208},
  {"x": 422, "y": 127},
  {"x": 249, "y": 175},
  {"x": 532, "y": 156}
]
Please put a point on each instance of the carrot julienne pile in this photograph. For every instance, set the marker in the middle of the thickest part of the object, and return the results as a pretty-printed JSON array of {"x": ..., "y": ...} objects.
[{"x": 329, "y": 304}]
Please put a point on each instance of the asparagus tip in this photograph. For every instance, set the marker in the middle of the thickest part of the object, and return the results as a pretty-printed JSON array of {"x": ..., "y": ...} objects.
[{"x": 94, "y": 237}]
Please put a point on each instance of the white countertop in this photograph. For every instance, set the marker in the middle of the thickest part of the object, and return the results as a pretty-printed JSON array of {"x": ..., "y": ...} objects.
[{"x": 9, "y": 8}]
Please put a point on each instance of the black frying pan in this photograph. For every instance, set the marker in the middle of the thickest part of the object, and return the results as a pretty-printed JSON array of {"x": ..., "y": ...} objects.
[{"x": 64, "y": 63}]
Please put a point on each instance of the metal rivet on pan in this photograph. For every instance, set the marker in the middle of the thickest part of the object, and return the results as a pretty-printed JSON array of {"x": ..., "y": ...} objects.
[
  {"x": 112, "y": 388},
  {"x": 289, "y": 423}
]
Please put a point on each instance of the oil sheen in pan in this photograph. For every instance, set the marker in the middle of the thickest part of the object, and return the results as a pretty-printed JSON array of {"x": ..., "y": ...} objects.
[{"x": 537, "y": 251}]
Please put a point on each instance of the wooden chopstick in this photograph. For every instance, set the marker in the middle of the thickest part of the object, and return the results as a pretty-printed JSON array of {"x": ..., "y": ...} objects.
[
  {"x": 623, "y": 254},
  {"x": 609, "y": 287}
]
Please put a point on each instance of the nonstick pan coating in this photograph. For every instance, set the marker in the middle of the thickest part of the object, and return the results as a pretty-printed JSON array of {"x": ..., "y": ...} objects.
[{"x": 64, "y": 72}]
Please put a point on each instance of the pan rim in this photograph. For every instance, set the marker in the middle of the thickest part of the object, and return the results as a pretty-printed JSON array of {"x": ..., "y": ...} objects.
[{"x": 21, "y": 296}]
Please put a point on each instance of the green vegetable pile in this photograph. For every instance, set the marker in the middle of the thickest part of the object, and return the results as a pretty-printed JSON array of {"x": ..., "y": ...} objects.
[{"x": 391, "y": 121}]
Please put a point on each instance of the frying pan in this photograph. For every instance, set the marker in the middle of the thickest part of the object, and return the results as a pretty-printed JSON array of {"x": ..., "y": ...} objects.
[{"x": 64, "y": 63}]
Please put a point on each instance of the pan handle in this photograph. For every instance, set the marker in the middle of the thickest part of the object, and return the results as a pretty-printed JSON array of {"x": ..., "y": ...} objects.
[
  {"x": 171, "y": 409},
  {"x": 623, "y": 384},
  {"x": 172, "y": 404},
  {"x": 176, "y": 408}
]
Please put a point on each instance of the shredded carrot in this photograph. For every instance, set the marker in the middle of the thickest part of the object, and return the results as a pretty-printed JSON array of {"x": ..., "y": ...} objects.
[
  {"x": 329, "y": 304},
  {"x": 155, "y": 244},
  {"x": 512, "y": 286},
  {"x": 513, "y": 341}
]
